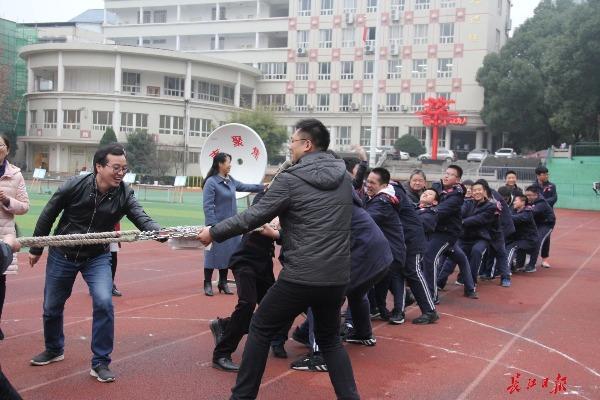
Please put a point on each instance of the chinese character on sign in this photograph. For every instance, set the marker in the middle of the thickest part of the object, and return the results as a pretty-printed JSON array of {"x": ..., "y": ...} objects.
[
  {"x": 531, "y": 383},
  {"x": 255, "y": 152},
  {"x": 545, "y": 382},
  {"x": 237, "y": 141},
  {"x": 214, "y": 153},
  {"x": 560, "y": 384},
  {"x": 514, "y": 384}
]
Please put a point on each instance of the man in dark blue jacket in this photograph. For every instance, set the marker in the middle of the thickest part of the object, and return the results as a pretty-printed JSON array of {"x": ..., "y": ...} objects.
[
  {"x": 524, "y": 239},
  {"x": 449, "y": 223},
  {"x": 543, "y": 214},
  {"x": 383, "y": 206},
  {"x": 547, "y": 190}
]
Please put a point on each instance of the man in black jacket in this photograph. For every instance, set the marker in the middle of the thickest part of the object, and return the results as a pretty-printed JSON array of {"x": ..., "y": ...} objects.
[
  {"x": 313, "y": 199},
  {"x": 90, "y": 203},
  {"x": 545, "y": 220},
  {"x": 547, "y": 190}
]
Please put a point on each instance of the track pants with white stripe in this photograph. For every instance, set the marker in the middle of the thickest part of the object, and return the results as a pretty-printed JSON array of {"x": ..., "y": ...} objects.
[{"x": 410, "y": 273}]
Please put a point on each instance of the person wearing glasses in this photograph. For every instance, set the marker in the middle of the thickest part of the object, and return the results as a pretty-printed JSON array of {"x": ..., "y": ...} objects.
[
  {"x": 14, "y": 201},
  {"x": 89, "y": 203}
]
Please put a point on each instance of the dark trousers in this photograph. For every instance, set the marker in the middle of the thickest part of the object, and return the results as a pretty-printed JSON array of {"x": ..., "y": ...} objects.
[
  {"x": 497, "y": 260},
  {"x": 283, "y": 302},
  {"x": 456, "y": 256},
  {"x": 378, "y": 295},
  {"x": 113, "y": 264},
  {"x": 410, "y": 273},
  {"x": 2, "y": 292},
  {"x": 475, "y": 251},
  {"x": 544, "y": 232},
  {"x": 518, "y": 250},
  {"x": 208, "y": 273},
  {"x": 436, "y": 247},
  {"x": 7, "y": 391},
  {"x": 251, "y": 288}
]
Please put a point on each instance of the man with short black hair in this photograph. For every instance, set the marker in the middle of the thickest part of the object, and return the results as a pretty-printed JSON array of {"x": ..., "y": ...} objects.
[
  {"x": 546, "y": 189},
  {"x": 313, "y": 199},
  {"x": 544, "y": 217},
  {"x": 510, "y": 186},
  {"x": 89, "y": 203}
]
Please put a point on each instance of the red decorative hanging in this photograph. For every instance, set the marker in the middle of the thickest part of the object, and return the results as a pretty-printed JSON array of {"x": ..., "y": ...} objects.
[{"x": 436, "y": 113}]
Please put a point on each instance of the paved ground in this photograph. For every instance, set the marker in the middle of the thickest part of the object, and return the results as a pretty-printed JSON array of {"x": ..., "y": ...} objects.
[{"x": 544, "y": 325}]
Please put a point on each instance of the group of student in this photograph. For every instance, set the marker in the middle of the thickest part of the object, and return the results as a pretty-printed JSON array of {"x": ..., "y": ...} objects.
[{"x": 407, "y": 239}]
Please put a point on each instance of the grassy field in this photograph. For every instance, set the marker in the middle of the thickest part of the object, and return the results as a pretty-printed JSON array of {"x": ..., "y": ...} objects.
[{"x": 154, "y": 202}]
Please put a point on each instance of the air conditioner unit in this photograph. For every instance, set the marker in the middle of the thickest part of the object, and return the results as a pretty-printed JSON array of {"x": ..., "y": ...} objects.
[
  {"x": 369, "y": 49},
  {"x": 395, "y": 15},
  {"x": 349, "y": 18},
  {"x": 301, "y": 52},
  {"x": 354, "y": 107},
  {"x": 380, "y": 107},
  {"x": 509, "y": 25},
  {"x": 394, "y": 50}
]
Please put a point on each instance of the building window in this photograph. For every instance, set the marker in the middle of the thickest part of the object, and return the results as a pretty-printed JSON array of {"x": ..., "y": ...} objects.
[
  {"x": 194, "y": 157},
  {"x": 419, "y": 132},
  {"x": 393, "y": 102},
  {"x": 446, "y": 95},
  {"x": 71, "y": 119},
  {"x": 365, "y": 136},
  {"x": 497, "y": 40},
  {"x": 344, "y": 135},
  {"x": 200, "y": 127},
  {"x": 325, "y": 38},
  {"x": 420, "y": 34},
  {"x": 170, "y": 125},
  {"x": 202, "y": 90},
  {"x": 367, "y": 100},
  {"x": 33, "y": 118},
  {"x": 371, "y": 6},
  {"x": 301, "y": 102},
  {"x": 213, "y": 43},
  {"x": 222, "y": 15},
  {"x": 177, "y": 125},
  {"x": 368, "y": 68},
  {"x": 160, "y": 16},
  {"x": 370, "y": 37},
  {"x": 131, "y": 122},
  {"x": 302, "y": 71},
  {"x": 444, "y": 68},
  {"x": 500, "y": 7},
  {"x": 389, "y": 135},
  {"x": 228, "y": 95},
  {"x": 421, "y": 4},
  {"x": 147, "y": 17},
  {"x": 274, "y": 70},
  {"x": 416, "y": 101},
  {"x": 345, "y": 101},
  {"x": 303, "y": 39},
  {"x": 448, "y": 3},
  {"x": 275, "y": 102},
  {"x": 349, "y": 6},
  {"x": 101, "y": 120},
  {"x": 396, "y": 36},
  {"x": 326, "y": 7},
  {"x": 174, "y": 86},
  {"x": 347, "y": 70},
  {"x": 419, "y": 68},
  {"x": 447, "y": 32},
  {"x": 394, "y": 69},
  {"x": 131, "y": 83},
  {"x": 348, "y": 37},
  {"x": 398, "y": 5},
  {"x": 304, "y": 8},
  {"x": 45, "y": 81},
  {"x": 324, "y": 71},
  {"x": 322, "y": 101},
  {"x": 50, "y": 119}
]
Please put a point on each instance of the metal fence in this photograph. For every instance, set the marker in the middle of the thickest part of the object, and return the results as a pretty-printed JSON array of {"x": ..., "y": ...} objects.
[{"x": 498, "y": 173}]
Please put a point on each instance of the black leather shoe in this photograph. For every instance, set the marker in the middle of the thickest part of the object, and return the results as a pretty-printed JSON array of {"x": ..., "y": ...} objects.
[
  {"x": 279, "y": 351},
  {"x": 217, "y": 330},
  {"x": 225, "y": 364},
  {"x": 224, "y": 287},
  {"x": 208, "y": 288}
]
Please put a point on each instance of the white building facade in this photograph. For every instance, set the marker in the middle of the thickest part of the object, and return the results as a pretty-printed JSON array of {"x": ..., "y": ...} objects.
[
  {"x": 303, "y": 58},
  {"x": 76, "y": 91}
]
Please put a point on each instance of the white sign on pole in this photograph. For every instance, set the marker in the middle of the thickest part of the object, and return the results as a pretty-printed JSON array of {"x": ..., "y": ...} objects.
[
  {"x": 180, "y": 181},
  {"x": 129, "y": 178},
  {"x": 39, "y": 173}
]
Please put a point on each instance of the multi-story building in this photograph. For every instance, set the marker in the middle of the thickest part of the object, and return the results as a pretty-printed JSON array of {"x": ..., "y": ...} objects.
[{"x": 312, "y": 58}]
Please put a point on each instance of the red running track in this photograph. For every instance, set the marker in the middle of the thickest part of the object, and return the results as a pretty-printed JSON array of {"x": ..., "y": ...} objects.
[{"x": 545, "y": 324}]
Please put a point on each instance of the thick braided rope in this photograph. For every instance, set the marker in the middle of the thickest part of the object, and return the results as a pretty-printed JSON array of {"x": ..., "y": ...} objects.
[{"x": 82, "y": 239}]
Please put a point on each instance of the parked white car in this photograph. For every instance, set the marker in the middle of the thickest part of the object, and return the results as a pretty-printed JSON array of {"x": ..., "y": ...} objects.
[
  {"x": 506, "y": 152},
  {"x": 477, "y": 155},
  {"x": 442, "y": 154}
]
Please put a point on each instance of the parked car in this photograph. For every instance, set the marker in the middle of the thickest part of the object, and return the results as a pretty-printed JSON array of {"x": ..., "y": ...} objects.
[
  {"x": 442, "y": 154},
  {"x": 506, "y": 152},
  {"x": 477, "y": 155},
  {"x": 399, "y": 155}
]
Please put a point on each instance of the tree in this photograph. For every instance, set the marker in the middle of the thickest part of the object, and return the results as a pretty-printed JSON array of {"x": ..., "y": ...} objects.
[
  {"x": 141, "y": 152},
  {"x": 263, "y": 122},
  {"x": 543, "y": 87},
  {"x": 108, "y": 137},
  {"x": 409, "y": 144}
]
